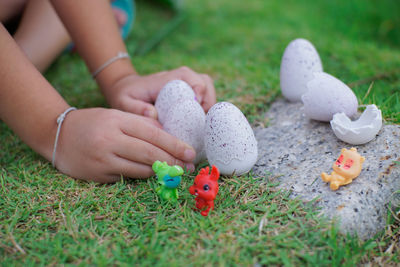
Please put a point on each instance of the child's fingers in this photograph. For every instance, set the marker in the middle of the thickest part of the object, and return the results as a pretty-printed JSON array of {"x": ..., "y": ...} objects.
[
  {"x": 209, "y": 98},
  {"x": 139, "y": 151},
  {"x": 153, "y": 122},
  {"x": 194, "y": 80},
  {"x": 202, "y": 85},
  {"x": 159, "y": 138},
  {"x": 139, "y": 107},
  {"x": 130, "y": 169}
]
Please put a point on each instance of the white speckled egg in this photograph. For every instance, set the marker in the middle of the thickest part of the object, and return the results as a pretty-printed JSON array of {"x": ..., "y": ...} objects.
[
  {"x": 173, "y": 92},
  {"x": 229, "y": 140},
  {"x": 327, "y": 96},
  {"x": 300, "y": 60},
  {"x": 186, "y": 121}
]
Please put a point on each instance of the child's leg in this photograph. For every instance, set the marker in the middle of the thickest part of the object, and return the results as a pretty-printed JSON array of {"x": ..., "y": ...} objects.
[
  {"x": 41, "y": 34},
  {"x": 9, "y": 9}
]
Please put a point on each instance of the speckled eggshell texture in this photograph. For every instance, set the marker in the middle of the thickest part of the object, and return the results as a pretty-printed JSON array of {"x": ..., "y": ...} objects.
[
  {"x": 360, "y": 131},
  {"x": 186, "y": 121},
  {"x": 229, "y": 140},
  {"x": 327, "y": 96},
  {"x": 300, "y": 60},
  {"x": 173, "y": 93}
]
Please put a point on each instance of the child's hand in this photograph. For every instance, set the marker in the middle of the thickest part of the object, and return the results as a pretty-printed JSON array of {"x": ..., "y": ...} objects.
[
  {"x": 136, "y": 94},
  {"x": 103, "y": 144}
]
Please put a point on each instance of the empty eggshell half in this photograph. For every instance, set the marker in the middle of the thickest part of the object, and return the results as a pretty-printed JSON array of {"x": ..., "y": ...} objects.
[
  {"x": 360, "y": 131},
  {"x": 327, "y": 96},
  {"x": 173, "y": 93},
  {"x": 186, "y": 121},
  {"x": 229, "y": 140},
  {"x": 299, "y": 61}
]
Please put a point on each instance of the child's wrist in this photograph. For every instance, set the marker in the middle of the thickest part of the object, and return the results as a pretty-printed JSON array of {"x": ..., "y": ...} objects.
[
  {"x": 113, "y": 91},
  {"x": 112, "y": 73},
  {"x": 60, "y": 120},
  {"x": 41, "y": 139},
  {"x": 120, "y": 55}
]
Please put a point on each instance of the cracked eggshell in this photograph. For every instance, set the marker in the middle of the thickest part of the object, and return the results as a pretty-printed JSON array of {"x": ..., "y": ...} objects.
[
  {"x": 173, "y": 93},
  {"x": 299, "y": 61},
  {"x": 327, "y": 96},
  {"x": 360, "y": 131},
  {"x": 229, "y": 140},
  {"x": 186, "y": 121}
]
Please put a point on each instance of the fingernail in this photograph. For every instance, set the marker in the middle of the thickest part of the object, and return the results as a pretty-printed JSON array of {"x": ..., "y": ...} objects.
[
  {"x": 149, "y": 113},
  {"x": 189, "y": 167},
  {"x": 189, "y": 154}
]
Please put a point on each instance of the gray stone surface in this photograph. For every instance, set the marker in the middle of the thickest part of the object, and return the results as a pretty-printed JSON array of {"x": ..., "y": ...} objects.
[{"x": 295, "y": 151}]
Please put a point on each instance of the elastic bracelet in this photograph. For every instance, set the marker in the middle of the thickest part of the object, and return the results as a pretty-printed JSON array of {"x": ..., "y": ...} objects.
[
  {"x": 120, "y": 55},
  {"x": 60, "y": 120}
]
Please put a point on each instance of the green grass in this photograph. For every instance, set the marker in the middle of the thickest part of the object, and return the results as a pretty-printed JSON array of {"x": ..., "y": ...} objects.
[
  {"x": 67, "y": 221},
  {"x": 46, "y": 218}
]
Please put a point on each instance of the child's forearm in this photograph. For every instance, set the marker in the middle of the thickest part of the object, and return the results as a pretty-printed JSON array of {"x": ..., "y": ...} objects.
[
  {"x": 28, "y": 103},
  {"x": 93, "y": 29}
]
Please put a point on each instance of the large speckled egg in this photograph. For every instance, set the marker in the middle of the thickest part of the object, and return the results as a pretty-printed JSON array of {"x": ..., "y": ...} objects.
[
  {"x": 186, "y": 121},
  {"x": 229, "y": 140},
  {"x": 300, "y": 60},
  {"x": 173, "y": 93},
  {"x": 327, "y": 96}
]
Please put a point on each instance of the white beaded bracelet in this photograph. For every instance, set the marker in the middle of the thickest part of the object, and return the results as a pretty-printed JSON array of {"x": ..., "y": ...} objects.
[
  {"x": 120, "y": 55},
  {"x": 60, "y": 120}
]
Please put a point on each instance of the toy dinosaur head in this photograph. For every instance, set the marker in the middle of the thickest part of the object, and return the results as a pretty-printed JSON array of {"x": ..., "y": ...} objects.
[
  {"x": 349, "y": 163},
  {"x": 170, "y": 176},
  {"x": 205, "y": 184}
]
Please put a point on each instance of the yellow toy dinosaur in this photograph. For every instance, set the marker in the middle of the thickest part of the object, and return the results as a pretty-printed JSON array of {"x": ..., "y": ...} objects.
[{"x": 346, "y": 168}]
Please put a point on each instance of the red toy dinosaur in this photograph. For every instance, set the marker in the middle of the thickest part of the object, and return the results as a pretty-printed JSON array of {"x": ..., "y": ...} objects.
[{"x": 205, "y": 188}]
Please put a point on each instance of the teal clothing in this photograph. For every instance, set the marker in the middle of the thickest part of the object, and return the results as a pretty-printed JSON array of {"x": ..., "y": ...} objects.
[{"x": 128, "y": 6}]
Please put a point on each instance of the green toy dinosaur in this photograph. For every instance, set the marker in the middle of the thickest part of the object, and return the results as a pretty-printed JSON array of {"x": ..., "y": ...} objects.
[{"x": 169, "y": 177}]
